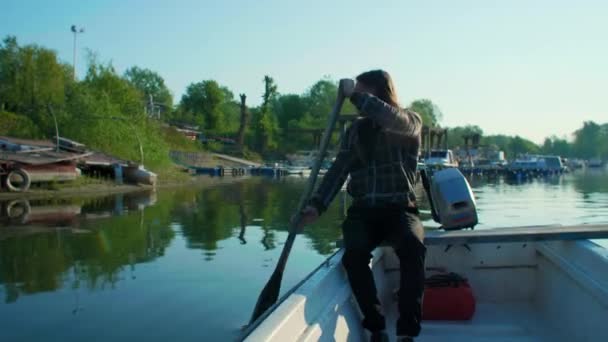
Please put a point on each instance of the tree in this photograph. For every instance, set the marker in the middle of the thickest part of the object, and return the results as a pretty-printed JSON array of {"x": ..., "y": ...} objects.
[
  {"x": 124, "y": 96},
  {"x": 265, "y": 123},
  {"x": 104, "y": 111},
  {"x": 456, "y": 135},
  {"x": 243, "y": 121},
  {"x": 556, "y": 146},
  {"x": 18, "y": 126},
  {"x": 231, "y": 113},
  {"x": 290, "y": 108},
  {"x": 321, "y": 98},
  {"x": 205, "y": 99},
  {"x": 151, "y": 84},
  {"x": 430, "y": 113},
  {"x": 31, "y": 78},
  {"x": 512, "y": 146},
  {"x": 519, "y": 145},
  {"x": 588, "y": 140},
  {"x": 604, "y": 140}
]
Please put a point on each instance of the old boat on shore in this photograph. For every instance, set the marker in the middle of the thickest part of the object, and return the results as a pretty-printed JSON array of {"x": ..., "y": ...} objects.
[{"x": 545, "y": 283}]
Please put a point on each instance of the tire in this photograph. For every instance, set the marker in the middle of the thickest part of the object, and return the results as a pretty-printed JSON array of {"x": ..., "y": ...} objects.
[
  {"x": 18, "y": 210},
  {"x": 24, "y": 186}
]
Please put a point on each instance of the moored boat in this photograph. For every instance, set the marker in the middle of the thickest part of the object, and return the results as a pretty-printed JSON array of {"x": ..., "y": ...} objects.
[
  {"x": 530, "y": 284},
  {"x": 595, "y": 162},
  {"x": 298, "y": 170},
  {"x": 441, "y": 159},
  {"x": 139, "y": 175}
]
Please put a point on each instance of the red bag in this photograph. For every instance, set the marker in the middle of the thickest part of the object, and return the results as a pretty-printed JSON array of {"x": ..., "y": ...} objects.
[{"x": 447, "y": 297}]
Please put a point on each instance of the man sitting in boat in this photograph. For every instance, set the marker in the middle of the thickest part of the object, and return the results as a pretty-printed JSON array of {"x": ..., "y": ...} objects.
[{"x": 379, "y": 151}]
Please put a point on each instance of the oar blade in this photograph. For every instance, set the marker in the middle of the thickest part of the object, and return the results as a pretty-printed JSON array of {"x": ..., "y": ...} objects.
[{"x": 268, "y": 297}]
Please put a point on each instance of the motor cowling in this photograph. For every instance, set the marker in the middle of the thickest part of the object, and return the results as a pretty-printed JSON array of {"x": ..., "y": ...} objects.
[{"x": 453, "y": 200}]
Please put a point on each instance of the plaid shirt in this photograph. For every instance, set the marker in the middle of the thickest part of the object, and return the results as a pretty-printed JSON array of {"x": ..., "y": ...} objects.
[{"x": 380, "y": 152}]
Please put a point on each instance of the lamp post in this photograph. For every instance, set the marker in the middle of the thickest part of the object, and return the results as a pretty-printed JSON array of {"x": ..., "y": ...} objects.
[{"x": 75, "y": 31}]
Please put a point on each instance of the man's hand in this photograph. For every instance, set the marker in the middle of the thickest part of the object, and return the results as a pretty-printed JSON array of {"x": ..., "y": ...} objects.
[
  {"x": 346, "y": 87},
  {"x": 308, "y": 215}
]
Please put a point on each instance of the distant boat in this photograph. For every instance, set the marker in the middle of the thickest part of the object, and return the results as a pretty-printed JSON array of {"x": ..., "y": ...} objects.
[
  {"x": 537, "y": 163},
  {"x": 303, "y": 158},
  {"x": 529, "y": 284},
  {"x": 140, "y": 175},
  {"x": 574, "y": 164},
  {"x": 441, "y": 159},
  {"x": 298, "y": 171},
  {"x": 595, "y": 162}
]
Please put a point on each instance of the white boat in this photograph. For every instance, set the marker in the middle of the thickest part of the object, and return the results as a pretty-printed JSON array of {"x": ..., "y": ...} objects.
[
  {"x": 298, "y": 170},
  {"x": 441, "y": 159},
  {"x": 530, "y": 284},
  {"x": 140, "y": 175}
]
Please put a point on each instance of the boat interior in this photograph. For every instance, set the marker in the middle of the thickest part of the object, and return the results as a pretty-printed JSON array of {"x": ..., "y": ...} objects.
[{"x": 524, "y": 291}]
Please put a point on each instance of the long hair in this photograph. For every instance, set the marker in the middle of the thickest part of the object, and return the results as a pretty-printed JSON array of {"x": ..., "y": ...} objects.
[{"x": 382, "y": 85}]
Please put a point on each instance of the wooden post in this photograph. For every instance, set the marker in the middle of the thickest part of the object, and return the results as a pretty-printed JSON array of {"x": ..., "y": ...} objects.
[{"x": 243, "y": 124}]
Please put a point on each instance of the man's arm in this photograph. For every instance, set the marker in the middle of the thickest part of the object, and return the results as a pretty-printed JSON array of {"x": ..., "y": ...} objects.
[
  {"x": 402, "y": 124},
  {"x": 336, "y": 175}
]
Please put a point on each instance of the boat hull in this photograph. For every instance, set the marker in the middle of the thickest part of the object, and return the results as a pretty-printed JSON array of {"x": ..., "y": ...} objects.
[
  {"x": 525, "y": 291},
  {"x": 52, "y": 172}
]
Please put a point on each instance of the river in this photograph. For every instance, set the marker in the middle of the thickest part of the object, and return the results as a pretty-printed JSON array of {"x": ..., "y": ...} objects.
[{"x": 187, "y": 264}]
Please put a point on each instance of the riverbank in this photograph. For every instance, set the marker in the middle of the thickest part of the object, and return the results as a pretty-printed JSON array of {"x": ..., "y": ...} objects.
[{"x": 85, "y": 186}]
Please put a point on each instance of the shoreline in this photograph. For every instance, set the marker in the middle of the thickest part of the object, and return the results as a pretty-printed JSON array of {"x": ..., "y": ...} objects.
[{"x": 102, "y": 189}]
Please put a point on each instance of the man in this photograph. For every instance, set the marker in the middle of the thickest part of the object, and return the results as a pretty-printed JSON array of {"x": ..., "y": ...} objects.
[{"x": 379, "y": 152}]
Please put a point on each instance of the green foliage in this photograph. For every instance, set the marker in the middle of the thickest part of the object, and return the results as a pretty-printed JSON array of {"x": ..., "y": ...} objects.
[
  {"x": 309, "y": 110},
  {"x": 591, "y": 141},
  {"x": 31, "y": 77},
  {"x": 208, "y": 101},
  {"x": 430, "y": 113},
  {"x": 519, "y": 145},
  {"x": 18, "y": 126},
  {"x": 104, "y": 111},
  {"x": 107, "y": 111},
  {"x": 151, "y": 83},
  {"x": 456, "y": 135},
  {"x": 556, "y": 146},
  {"x": 177, "y": 142},
  {"x": 512, "y": 146},
  {"x": 231, "y": 113},
  {"x": 290, "y": 108},
  {"x": 264, "y": 120}
]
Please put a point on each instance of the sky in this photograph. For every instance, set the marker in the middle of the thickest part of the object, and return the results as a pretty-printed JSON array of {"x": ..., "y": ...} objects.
[{"x": 528, "y": 67}]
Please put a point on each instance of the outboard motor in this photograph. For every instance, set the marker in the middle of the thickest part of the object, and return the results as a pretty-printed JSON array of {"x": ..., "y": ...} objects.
[{"x": 451, "y": 198}]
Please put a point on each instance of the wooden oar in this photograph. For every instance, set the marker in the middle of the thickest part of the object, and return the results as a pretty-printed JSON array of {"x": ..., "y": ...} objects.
[{"x": 270, "y": 293}]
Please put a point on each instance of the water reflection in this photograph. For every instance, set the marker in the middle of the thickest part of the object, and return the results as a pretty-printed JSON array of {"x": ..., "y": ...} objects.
[
  {"x": 219, "y": 213},
  {"x": 591, "y": 181},
  {"x": 49, "y": 244}
]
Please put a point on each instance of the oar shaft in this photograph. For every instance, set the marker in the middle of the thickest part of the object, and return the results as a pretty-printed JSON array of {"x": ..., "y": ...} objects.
[
  {"x": 270, "y": 293},
  {"x": 318, "y": 161}
]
